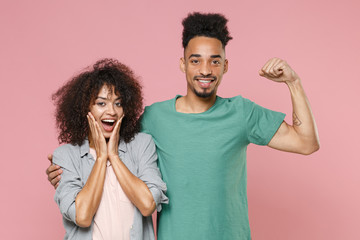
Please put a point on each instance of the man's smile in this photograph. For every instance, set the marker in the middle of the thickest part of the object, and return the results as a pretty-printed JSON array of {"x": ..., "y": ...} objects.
[{"x": 205, "y": 82}]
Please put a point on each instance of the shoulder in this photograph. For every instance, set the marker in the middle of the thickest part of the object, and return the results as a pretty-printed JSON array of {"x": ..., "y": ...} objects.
[
  {"x": 154, "y": 112},
  {"x": 142, "y": 142},
  {"x": 65, "y": 149},
  {"x": 141, "y": 139},
  {"x": 159, "y": 106},
  {"x": 238, "y": 100},
  {"x": 237, "y": 103},
  {"x": 65, "y": 154}
]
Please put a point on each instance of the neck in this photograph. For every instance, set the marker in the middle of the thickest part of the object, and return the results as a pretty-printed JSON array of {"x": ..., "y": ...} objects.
[{"x": 194, "y": 104}]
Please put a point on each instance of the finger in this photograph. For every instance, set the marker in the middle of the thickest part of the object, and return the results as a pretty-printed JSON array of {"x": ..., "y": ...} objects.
[
  {"x": 55, "y": 181},
  {"x": 91, "y": 119},
  {"x": 114, "y": 138},
  {"x": 116, "y": 128},
  {"x": 52, "y": 168},
  {"x": 90, "y": 123},
  {"x": 279, "y": 68},
  {"x": 270, "y": 68},
  {"x": 90, "y": 115},
  {"x": 97, "y": 129},
  {"x": 56, "y": 186},
  {"x": 120, "y": 121},
  {"x": 93, "y": 129},
  {"x": 101, "y": 145},
  {"x": 276, "y": 70},
  {"x": 266, "y": 68},
  {"x": 50, "y": 156},
  {"x": 54, "y": 174},
  {"x": 100, "y": 135}
]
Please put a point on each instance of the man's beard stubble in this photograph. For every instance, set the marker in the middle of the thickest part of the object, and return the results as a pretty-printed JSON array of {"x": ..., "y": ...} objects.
[{"x": 204, "y": 94}]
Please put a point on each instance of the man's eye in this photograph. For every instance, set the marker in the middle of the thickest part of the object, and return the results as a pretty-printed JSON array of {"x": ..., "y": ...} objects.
[
  {"x": 216, "y": 62},
  {"x": 195, "y": 61}
]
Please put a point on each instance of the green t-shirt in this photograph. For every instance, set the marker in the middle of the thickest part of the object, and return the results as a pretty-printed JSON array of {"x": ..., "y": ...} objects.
[{"x": 202, "y": 158}]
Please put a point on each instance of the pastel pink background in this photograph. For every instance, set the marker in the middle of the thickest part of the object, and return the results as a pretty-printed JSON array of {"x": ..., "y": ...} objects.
[{"x": 43, "y": 43}]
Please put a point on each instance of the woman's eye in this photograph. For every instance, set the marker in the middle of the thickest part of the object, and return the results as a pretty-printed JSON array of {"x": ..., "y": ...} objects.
[
  {"x": 101, "y": 104},
  {"x": 118, "y": 104}
]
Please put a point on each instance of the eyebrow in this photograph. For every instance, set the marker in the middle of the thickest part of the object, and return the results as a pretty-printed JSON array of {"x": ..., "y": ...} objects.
[
  {"x": 198, "y": 55},
  {"x": 106, "y": 98}
]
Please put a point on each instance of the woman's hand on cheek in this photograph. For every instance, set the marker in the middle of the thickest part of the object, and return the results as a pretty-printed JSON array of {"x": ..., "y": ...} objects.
[
  {"x": 97, "y": 138},
  {"x": 114, "y": 140}
]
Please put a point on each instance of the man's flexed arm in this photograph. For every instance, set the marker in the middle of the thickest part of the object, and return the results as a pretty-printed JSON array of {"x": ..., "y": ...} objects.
[{"x": 302, "y": 136}]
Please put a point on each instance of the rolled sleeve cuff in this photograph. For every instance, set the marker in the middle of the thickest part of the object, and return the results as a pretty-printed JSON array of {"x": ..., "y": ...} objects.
[
  {"x": 67, "y": 206},
  {"x": 159, "y": 197}
]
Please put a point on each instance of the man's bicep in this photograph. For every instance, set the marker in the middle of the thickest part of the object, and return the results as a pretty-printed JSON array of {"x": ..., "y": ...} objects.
[{"x": 285, "y": 139}]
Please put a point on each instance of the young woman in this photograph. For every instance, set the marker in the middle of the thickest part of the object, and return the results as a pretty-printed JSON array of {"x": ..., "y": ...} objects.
[{"x": 110, "y": 183}]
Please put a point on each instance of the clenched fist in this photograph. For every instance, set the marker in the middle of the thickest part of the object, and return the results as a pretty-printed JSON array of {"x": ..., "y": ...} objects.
[{"x": 278, "y": 70}]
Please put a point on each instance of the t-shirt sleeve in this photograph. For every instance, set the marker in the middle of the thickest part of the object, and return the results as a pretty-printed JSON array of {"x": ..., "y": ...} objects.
[
  {"x": 262, "y": 123},
  {"x": 70, "y": 184}
]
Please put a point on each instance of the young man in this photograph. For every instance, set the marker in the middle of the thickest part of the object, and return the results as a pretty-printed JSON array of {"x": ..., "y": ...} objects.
[{"x": 202, "y": 138}]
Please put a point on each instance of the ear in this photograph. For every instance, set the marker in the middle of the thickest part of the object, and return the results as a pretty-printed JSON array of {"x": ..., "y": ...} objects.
[
  {"x": 226, "y": 65},
  {"x": 182, "y": 64}
]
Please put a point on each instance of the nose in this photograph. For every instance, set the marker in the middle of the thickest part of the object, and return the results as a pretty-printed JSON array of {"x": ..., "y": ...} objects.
[
  {"x": 110, "y": 109},
  {"x": 205, "y": 69}
]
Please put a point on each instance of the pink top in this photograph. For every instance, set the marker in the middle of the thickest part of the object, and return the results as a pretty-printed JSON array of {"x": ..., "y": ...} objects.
[{"x": 115, "y": 215}]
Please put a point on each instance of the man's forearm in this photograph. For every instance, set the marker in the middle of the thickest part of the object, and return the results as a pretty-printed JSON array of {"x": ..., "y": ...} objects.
[{"x": 303, "y": 120}]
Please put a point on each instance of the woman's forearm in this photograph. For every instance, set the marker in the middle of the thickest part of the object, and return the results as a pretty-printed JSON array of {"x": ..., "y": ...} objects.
[
  {"x": 88, "y": 199},
  {"x": 135, "y": 189}
]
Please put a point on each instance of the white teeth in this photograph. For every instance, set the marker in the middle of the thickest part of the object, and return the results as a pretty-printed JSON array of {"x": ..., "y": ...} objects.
[
  {"x": 204, "y": 81},
  {"x": 108, "y": 120}
]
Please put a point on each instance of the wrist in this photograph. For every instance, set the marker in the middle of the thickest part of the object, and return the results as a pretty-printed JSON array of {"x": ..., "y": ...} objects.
[
  {"x": 113, "y": 156},
  {"x": 293, "y": 83},
  {"x": 102, "y": 158}
]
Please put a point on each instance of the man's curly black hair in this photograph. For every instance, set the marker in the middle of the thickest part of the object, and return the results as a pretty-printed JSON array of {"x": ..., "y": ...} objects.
[
  {"x": 208, "y": 25},
  {"x": 73, "y": 100}
]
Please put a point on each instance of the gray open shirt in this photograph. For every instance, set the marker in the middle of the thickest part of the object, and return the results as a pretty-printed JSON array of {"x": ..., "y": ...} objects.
[{"x": 140, "y": 158}]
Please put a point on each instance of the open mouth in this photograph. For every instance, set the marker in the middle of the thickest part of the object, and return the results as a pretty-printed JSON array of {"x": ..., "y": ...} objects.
[{"x": 108, "y": 124}]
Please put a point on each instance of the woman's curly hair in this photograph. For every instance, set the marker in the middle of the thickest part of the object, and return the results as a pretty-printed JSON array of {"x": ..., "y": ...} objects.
[
  {"x": 205, "y": 24},
  {"x": 73, "y": 100}
]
